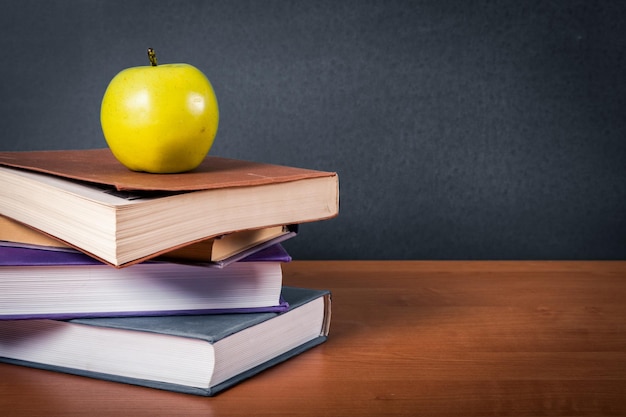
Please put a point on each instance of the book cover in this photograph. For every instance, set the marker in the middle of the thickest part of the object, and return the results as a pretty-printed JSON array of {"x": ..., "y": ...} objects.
[
  {"x": 199, "y": 355},
  {"x": 53, "y": 284},
  {"x": 100, "y": 166},
  {"x": 12, "y": 231},
  {"x": 287, "y": 233},
  {"x": 89, "y": 201}
]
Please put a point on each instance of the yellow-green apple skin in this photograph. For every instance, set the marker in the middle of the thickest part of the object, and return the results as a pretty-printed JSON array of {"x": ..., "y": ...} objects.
[{"x": 160, "y": 119}]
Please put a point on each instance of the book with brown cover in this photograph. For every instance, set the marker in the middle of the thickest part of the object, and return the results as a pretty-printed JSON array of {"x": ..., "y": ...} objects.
[
  {"x": 219, "y": 251},
  {"x": 100, "y": 166},
  {"x": 89, "y": 200}
]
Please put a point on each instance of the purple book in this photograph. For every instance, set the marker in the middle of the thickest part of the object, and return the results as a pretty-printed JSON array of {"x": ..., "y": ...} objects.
[{"x": 61, "y": 285}]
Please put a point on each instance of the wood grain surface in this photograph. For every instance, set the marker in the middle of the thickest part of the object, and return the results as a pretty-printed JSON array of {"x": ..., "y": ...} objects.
[{"x": 408, "y": 338}]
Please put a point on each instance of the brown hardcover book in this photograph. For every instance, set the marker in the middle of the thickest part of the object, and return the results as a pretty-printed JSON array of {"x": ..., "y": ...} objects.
[
  {"x": 88, "y": 200},
  {"x": 230, "y": 247},
  {"x": 17, "y": 234},
  {"x": 221, "y": 250}
]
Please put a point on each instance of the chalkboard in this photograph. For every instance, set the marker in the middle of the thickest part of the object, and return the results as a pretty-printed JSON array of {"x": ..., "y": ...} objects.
[{"x": 459, "y": 129}]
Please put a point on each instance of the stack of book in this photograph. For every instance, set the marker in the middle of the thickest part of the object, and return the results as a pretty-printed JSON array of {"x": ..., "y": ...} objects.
[{"x": 167, "y": 281}]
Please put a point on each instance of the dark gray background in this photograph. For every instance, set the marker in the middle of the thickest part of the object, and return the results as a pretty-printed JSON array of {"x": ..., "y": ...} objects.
[{"x": 460, "y": 129}]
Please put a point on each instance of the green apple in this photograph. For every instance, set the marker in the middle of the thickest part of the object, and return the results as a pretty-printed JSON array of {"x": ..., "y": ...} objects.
[{"x": 160, "y": 118}]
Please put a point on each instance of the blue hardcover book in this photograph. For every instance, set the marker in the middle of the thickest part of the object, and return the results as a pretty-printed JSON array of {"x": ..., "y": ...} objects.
[
  {"x": 60, "y": 285},
  {"x": 197, "y": 354}
]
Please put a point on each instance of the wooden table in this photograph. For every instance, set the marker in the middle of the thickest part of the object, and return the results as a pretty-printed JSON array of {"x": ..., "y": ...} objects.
[{"x": 408, "y": 338}]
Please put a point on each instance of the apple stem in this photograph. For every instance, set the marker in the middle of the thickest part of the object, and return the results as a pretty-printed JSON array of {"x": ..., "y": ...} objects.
[{"x": 152, "y": 57}]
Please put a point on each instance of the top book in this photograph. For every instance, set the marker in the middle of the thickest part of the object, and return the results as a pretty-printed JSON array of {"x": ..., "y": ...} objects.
[{"x": 89, "y": 200}]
